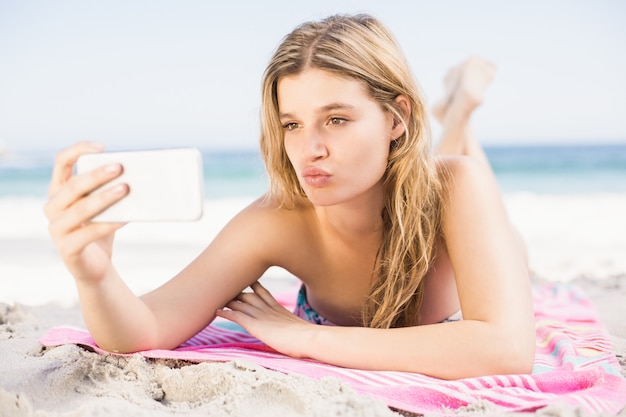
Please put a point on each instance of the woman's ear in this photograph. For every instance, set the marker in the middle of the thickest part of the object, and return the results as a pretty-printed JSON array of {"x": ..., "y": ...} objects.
[{"x": 402, "y": 106}]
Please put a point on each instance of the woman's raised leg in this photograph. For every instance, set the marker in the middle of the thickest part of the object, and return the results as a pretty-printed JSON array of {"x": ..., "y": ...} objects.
[{"x": 465, "y": 86}]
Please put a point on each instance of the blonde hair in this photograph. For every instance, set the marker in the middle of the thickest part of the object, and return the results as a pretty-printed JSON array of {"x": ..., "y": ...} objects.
[{"x": 360, "y": 47}]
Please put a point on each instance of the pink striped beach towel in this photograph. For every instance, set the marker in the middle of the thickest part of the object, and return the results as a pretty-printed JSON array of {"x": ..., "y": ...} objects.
[{"x": 574, "y": 364}]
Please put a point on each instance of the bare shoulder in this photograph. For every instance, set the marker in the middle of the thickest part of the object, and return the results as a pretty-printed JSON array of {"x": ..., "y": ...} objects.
[
  {"x": 268, "y": 229},
  {"x": 266, "y": 213}
]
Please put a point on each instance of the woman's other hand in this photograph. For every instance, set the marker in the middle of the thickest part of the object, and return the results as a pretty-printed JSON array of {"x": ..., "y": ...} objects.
[{"x": 264, "y": 318}]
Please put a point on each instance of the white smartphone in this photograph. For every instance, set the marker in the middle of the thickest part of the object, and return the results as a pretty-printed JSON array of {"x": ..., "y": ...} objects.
[{"x": 165, "y": 184}]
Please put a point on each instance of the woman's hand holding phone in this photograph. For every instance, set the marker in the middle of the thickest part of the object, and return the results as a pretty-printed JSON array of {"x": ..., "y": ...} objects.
[{"x": 84, "y": 246}]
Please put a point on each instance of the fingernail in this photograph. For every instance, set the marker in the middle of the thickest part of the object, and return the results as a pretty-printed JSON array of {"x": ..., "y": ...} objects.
[
  {"x": 119, "y": 189},
  {"x": 95, "y": 146},
  {"x": 113, "y": 168}
]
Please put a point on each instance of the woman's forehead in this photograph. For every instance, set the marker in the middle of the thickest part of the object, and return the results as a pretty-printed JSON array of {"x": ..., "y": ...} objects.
[{"x": 319, "y": 89}]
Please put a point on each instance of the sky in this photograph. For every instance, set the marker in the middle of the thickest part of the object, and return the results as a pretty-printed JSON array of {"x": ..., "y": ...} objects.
[{"x": 144, "y": 73}]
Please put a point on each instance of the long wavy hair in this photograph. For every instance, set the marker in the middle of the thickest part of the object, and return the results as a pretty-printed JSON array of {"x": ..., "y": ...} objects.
[{"x": 360, "y": 47}]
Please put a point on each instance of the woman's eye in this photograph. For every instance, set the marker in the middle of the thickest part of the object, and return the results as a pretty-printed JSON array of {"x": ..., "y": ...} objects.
[
  {"x": 290, "y": 126},
  {"x": 336, "y": 120}
]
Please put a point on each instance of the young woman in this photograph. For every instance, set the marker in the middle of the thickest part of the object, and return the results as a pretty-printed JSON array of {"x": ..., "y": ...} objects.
[{"x": 391, "y": 242}]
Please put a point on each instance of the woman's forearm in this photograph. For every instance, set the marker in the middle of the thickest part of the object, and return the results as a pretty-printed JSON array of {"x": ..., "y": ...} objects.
[
  {"x": 449, "y": 350},
  {"x": 117, "y": 319}
]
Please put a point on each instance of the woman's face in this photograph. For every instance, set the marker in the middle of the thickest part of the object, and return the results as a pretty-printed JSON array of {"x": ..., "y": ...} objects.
[{"x": 336, "y": 136}]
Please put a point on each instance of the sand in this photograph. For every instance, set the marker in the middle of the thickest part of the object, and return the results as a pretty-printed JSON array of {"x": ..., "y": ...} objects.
[{"x": 573, "y": 238}]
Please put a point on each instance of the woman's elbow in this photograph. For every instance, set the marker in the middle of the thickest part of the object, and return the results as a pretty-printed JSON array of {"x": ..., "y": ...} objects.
[
  {"x": 515, "y": 356},
  {"x": 519, "y": 361}
]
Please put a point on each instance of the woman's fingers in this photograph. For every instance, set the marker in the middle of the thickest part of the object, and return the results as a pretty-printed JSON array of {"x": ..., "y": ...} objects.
[
  {"x": 243, "y": 307},
  {"x": 77, "y": 187},
  {"x": 76, "y": 241},
  {"x": 260, "y": 297},
  {"x": 64, "y": 163},
  {"x": 264, "y": 294},
  {"x": 66, "y": 219},
  {"x": 65, "y": 188},
  {"x": 259, "y": 304}
]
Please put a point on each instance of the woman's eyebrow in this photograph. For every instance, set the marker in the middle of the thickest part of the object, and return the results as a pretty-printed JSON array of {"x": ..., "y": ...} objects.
[
  {"x": 323, "y": 109},
  {"x": 336, "y": 106}
]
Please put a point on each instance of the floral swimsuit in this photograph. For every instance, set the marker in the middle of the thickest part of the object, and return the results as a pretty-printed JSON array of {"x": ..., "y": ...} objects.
[{"x": 306, "y": 312}]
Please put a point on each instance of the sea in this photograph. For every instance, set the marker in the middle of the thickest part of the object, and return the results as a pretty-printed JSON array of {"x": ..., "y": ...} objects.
[
  {"x": 557, "y": 169},
  {"x": 567, "y": 200}
]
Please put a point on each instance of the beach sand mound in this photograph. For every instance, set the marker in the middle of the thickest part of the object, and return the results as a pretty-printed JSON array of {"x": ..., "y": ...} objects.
[{"x": 72, "y": 381}]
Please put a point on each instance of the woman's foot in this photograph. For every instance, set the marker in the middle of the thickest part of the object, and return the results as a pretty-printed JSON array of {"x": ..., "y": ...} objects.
[
  {"x": 465, "y": 90},
  {"x": 450, "y": 82},
  {"x": 465, "y": 86}
]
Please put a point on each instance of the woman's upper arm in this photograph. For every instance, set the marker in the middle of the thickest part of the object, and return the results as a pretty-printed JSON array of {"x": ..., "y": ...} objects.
[
  {"x": 236, "y": 258},
  {"x": 487, "y": 257}
]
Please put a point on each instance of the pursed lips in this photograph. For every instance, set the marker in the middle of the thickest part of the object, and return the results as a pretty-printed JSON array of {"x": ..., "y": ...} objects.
[{"x": 315, "y": 177}]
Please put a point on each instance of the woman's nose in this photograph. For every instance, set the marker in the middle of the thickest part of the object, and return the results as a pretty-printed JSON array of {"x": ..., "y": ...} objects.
[{"x": 315, "y": 146}]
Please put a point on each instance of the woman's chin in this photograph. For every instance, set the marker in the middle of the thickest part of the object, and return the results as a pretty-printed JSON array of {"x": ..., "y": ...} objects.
[{"x": 321, "y": 198}]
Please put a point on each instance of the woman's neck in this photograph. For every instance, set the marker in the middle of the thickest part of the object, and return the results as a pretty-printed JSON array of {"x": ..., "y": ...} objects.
[{"x": 358, "y": 218}]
